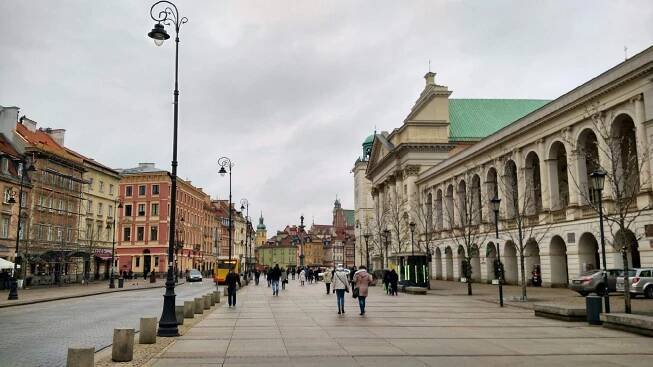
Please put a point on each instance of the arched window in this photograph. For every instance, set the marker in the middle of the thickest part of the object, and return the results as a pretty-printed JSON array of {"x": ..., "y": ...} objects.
[
  {"x": 511, "y": 189},
  {"x": 533, "y": 195}
]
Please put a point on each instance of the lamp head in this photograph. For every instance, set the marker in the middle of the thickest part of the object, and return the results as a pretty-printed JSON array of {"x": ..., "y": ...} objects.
[
  {"x": 222, "y": 171},
  {"x": 598, "y": 179},
  {"x": 412, "y": 225},
  {"x": 158, "y": 34},
  {"x": 495, "y": 203}
]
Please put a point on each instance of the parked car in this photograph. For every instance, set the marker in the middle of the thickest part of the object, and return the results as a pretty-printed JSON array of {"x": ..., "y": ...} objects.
[
  {"x": 641, "y": 282},
  {"x": 194, "y": 275},
  {"x": 591, "y": 281}
]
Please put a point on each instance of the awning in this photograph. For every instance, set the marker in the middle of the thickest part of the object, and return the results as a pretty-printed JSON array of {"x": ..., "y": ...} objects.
[
  {"x": 103, "y": 254},
  {"x": 5, "y": 264}
]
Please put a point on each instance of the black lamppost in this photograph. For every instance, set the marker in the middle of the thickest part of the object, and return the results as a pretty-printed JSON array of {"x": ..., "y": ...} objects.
[
  {"x": 226, "y": 162},
  {"x": 412, "y": 242},
  {"x": 495, "y": 207},
  {"x": 301, "y": 238},
  {"x": 167, "y": 15},
  {"x": 598, "y": 181},
  {"x": 244, "y": 206},
  {"x": 112, "y": 282},
  {"x": 366, "y": 236},
  {"x": 386, "y": 234},
  {"x": 13, "y": 288}
]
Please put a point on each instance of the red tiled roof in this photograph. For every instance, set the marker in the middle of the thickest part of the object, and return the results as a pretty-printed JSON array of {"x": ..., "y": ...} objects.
[
  {"x": 41, "y": 140},
  {"x": 7, "y": 148}
]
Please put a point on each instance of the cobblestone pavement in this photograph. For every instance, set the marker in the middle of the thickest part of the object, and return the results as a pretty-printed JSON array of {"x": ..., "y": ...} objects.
[
  {"x": 301, "y": 327},
  {"x": 40, "y": 334},
  {"x": 32, "y": 295}
]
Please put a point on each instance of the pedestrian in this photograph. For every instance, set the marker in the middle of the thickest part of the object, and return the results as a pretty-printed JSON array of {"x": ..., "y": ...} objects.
[
  {"x": 302, "y": 277},
  {"x": 362, "y": 280},
  {"x": 328, "y": 276},
  {"x": 293, "y": 273},
  {"x": 341, "y": 285},
  {"x": 231, "y": 280},
  {"x": 386, "y": 281},
  {"x": 284, "y": 278},
  {"x": 394, "y": 279},
  {"x": 273, "y": 276},
  {"x": 267, "y": 277},
  {"x": 257, "y": 275}
]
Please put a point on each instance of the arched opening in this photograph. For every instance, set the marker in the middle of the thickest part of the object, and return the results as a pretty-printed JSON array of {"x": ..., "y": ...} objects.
[
  {"x": 429, "y": 216},
  {"x": 448, "y": 259},
  {"x": 558, "y": 261},
  {"x": 490, "y": 258},
  {"x": 625, "y": 154},
  {"x": 449, "y": 207},
  {"x": 509, "y": 260},
  {"x": 438, "y": 210},
  {"x": 476, "y": 203},
  {"x": 463, "y": 214},
  {"x": 588, "y": 161},
  {"x": 626, "y": 239},
  {"x": 459, "y": 263},
  {"x": 558, "y": 176},
  {"x": 511, "y": 189},
  {"x": 531, "y": 256},
  {"x": 533, "y": 194},
  {"x": 588, "y": 252},
  {"x": 476, "y": 264},
  {"x": 438, "y": 263}
]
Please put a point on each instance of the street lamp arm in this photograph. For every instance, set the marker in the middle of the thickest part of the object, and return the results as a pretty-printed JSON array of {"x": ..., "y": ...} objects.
[{"x": 168, "y": 13}]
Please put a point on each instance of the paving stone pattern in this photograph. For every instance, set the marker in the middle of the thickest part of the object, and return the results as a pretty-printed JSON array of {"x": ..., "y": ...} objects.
[{"x": 301, "y": 327}]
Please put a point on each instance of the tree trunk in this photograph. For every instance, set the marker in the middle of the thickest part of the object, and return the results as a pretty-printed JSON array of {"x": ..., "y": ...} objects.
[
  {"x": 524, "y": 298},
  {"x": 627, "y": 306}
]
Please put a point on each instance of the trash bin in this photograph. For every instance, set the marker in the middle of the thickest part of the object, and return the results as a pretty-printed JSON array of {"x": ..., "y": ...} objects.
[
  {"x": 594, "y": 308},
  {"x": 121, "y": 282}
]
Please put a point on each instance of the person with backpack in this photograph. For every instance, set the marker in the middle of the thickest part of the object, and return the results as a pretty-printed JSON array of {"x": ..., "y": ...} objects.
[
  {"x": 341, "y": 285},
  {"x": 328, "y": 277}
]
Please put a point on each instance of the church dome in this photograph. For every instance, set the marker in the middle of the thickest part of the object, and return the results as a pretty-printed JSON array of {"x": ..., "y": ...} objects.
[{"x": 369, "y": 140}]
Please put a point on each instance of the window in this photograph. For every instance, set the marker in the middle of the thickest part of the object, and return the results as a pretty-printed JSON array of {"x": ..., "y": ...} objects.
[
  {"x": 140, "y": 233},
  {"x": 128, "y": 210},
  {"x": 110, "y": 189},
  {"x": 89, "y": 231},
  {"x": 70, "y": 207},
  {"x": 156, "y": 261},
  {"x": 141, "y": 210},
  {"x": 90, "y": 184},
  {"x": 59, "y": 233},
  {"x": 5, "y": 165},
  {"x": 155, "y": 189},
  {"x": 154, "y": 233},
  {"x": 101, "y": 186},
  {"x": 155, "y": 210},
  {"x": 99, "y": 209},
  {"x": 21, "y": 233},
  {"x": 128, "y": 191},
  {"x": 89, "y": 210},
  {"x": 62, "y": 206},
  {"x": 49, "y": 233},
  {"x": 110, "y": 211},
  {"x": 19, "y": 170},
  {"x": 127, "y": 234},
  {"x": 4, "y": 227},
  {"x": 7, "y": 195},
  {"x": 138, "y": 261},
  {"x": 99, "y": 232},
  {"x": 141, "y": 190}
]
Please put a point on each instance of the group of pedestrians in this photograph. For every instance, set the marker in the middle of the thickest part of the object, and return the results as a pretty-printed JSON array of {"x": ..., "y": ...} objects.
[{"x": 390, "y": 280}]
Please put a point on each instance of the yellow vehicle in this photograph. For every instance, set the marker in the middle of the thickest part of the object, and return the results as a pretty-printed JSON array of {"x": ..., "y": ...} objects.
[{"x": 222, "y": 269}]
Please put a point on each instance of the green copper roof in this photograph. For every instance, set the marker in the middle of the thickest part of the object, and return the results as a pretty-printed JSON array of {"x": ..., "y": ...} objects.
[
  {"x": 474, "y": 119},
  {"x": 369, "y": 139},
  {"x": 349, "y": 217}
]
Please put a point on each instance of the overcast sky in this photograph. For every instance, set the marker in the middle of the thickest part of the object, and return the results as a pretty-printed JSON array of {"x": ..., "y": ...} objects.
[{"x": 288, "y": 90}]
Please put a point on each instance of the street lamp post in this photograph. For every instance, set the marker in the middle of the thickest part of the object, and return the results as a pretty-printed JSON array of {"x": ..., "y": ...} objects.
[
  {"x": 366, "y": 236},
  {"x": 598, "y": 181},
  {"x": 495, "y": 207},
  {"x": 244, "y": 206},
  {"x": 13, "y": 288},
  {"x": 301, "y": 238},
  {"x": 226, "y": 162},
  {"x": 386, "y": 234},
  {"x": 112, "y": 282},
  {"x": 169, "y": 14},
  {"x": 412, "y": 248}
]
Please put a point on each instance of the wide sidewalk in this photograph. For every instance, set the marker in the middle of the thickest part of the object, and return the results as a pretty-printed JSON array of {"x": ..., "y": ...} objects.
[{"x": 301, "y": 327}]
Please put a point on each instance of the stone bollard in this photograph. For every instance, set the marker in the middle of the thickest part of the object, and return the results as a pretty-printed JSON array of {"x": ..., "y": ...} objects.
[
  {"x": 217, "y": 296},
  {"x": 198, "y": 306},
  {"x": 224, "y": 291},
  {"x": 207, "y": 302},
  {"x": 148, "y": 330},
  {"x": 81, "y": 357},
  {"x": 212, "y": 298},
  {"x": 123, "y": 345},
  {"x": 188, "y": 309},
  {"x": 179, "y": 313}
]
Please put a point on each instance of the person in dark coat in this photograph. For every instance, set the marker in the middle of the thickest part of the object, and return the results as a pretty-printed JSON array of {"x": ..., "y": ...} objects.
[
  {"x": 394, "y": 279},
  {"x": 386, "y": 281},
  {"x": 274, "y": 275},
  {"x": 232, "y": 279},
  {"x": 257, "y": 275}
]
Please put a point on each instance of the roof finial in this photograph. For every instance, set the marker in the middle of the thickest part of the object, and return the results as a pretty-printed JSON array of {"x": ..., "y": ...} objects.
[
  {"x": 625, "y": 52},
  {"x": 429, "y": 65}
]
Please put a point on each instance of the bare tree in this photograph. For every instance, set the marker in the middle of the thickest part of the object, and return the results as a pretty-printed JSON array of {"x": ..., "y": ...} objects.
[
  {"x": 397, "y": 221},
  {"x": 523, "y": 223},
  {"x": 375, "y": 228},
  {"x": 464, "y": 215},
  {"x": 612, "y": 148}
]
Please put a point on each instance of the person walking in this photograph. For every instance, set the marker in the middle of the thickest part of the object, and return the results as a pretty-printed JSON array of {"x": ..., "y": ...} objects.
[
  {"x": 328, "y": 276},
  {"x": 293, "y": 273},
  {"x": 386, "y": 281},
  {"x": 341, "y": 285},
  {"x": 362, "y": 280},
  {"x": 302, "y": 277},
  {"x": 273, "y": 276},
  {"x": 232, "y": 279},
  {"x": 394, "y": 279},
  {"x": 284, "y": 279},
  {"x": 257, "y": 275}
]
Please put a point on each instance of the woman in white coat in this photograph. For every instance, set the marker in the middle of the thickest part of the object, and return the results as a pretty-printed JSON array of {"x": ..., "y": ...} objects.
[{"x": 302, "y": 276}]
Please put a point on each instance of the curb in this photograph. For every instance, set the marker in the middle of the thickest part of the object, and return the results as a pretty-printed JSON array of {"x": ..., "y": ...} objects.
[{"x": 116, "y": 290}]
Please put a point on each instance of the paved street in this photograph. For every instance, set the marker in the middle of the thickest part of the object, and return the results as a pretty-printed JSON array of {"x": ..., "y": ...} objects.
[
  {"x": 301, "y": 327},
  {"x": 39, "y": 334}
]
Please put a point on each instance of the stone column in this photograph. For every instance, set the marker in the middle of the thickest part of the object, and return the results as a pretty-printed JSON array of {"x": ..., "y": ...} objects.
[
  {"x": 642, "y": 142},
  {"x": 545, "y": 183},
  {"x": 553, "y": 197}
]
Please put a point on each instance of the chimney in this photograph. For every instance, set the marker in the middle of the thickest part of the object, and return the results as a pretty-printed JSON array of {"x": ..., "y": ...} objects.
[
  {"x": 146, "y": 165},
  {"x": 57, "y": 135},
  {"x": 29, "y": 124},
  {"x": 430, "y": 78},
  {"x": 8, "y": 119}
]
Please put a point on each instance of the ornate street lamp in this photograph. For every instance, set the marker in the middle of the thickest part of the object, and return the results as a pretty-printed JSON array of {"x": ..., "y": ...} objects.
[
  {"x": 496, "y": 202},
  {"x": 386, "y": 234},
  {"x": 244, "y": 206},
  {"x": 168, "y": 14},
  {"x": 13, "y": 287},
  {"x": 112, "y": 283},
  {"x": 412, "y": 233},
  {"x": 367, "y": 249},
  {"x": 598, "y": 182},
  {"x": 226, "y": 162},
  {"x": 301, "y": 238}
]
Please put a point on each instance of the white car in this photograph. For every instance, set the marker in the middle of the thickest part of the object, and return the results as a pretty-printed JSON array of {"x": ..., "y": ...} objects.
[{"x": 194, "y": 275}]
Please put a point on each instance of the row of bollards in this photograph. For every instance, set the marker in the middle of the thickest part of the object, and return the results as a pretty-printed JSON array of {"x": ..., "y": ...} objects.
[{"x": 122, "y": 349}]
